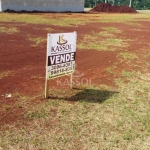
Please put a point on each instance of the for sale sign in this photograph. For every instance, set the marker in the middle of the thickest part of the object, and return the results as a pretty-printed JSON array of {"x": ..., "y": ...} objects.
[{"x": 61, "y": 49}]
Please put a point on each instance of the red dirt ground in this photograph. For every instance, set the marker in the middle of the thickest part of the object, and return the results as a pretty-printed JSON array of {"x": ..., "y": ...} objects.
[
  {"x": 25, "y": 64},
  {"x": 106, "y": 7}
]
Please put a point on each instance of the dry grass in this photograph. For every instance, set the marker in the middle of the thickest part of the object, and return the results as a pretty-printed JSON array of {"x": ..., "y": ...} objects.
[
  {"x": 36, "y": 41},
  {"x": 90, "y": 118},
  {"x": 10, "y": 30},
  {"x": 105, "y": 40},
  {"x": 4, "y": 74},
  {"x": 102, "y": 117}
]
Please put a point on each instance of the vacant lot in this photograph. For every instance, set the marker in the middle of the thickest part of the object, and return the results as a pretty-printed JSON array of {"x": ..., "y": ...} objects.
[{"x": 109, "y": 106}]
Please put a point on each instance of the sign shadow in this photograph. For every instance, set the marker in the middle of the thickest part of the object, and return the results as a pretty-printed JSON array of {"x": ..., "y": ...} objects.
[{"x": 88, "y": 95}]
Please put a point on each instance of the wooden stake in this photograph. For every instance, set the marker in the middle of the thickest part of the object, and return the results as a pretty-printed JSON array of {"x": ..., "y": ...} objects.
[
  {"x": 46, "y": 76},
  {"x": 70, "y": 81},
  {"x": 46, "y": 88}
]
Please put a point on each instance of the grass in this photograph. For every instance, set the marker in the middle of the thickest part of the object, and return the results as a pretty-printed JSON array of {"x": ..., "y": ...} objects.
[
  {"x": 127, "y": 73},
  {"x": 10, "y": 30},
  {"x": 37, "y": 40},
  {"x": 105, "y": 34},
  {"x": 108, "y": 32},
  {"x": 125, "y": 113},
  {"x": 112, "y": 30},
  {"x": 37, "y": 114},
  {"x": 91, "y": 117},
  {"x": 107, "y": 44},
  {"x": 128, "y": 55},
  {"x": 111, "y": 69},
  {"x": 66, "y": 20},
  {"x": 105, "y": 40},
  {"x": 126, "y": 18},
  {"x": 5, "y": 74},
  {"x": 48, "y": 19},
  {"x": 6, "y": 107},
  {"x": 48, "y": 29}
]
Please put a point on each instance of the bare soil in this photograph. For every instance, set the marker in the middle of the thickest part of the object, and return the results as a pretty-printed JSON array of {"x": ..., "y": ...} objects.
[
  {"x": 23, "y": 64},
  {"x": 106, "y": 7}
]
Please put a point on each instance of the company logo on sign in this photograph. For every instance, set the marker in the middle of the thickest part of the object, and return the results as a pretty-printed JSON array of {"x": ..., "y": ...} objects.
[
  {"x": 62, "y": 46},
  {"x": 61, "y": 40}
]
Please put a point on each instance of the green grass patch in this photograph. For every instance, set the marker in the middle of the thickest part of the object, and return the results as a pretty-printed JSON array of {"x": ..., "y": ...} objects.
[
  {"x": 107, "y": 44},
  {"x": 104, "y": 41},
  {"x": 111, "y": 69},
  {"x": 37, "y": 40},
  {"x": 128, "y": 74},
  {"x": 10, "y": 30},
  {"x": 112, "y": 30},
  {"x": 128, "y": 55},
  {"x": 71, "y": 19},
  {"x": 5, "y": 74},
  {"x": 105, "y": 34},
  {"x": 6, "y": 107},
  {"x": 122, "y": 118},
  {"x": 48, "y": 19},
  {"x": 90, "y": 117},
  {"x": 126, "y": 18},
  {"x": 49, "y": 30},
  {"x": 37, "y": 114}
]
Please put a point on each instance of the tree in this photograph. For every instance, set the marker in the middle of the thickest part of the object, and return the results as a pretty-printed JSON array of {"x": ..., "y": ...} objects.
[
  {"x": 130, "y": 4},
  {"x": 136, "y": 4}
]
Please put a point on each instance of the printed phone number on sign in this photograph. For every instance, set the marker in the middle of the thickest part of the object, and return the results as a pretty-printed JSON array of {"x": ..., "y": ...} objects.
[{"x": 61, "y": 69}]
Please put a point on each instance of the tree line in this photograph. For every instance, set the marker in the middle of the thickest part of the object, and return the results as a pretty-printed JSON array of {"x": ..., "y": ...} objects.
[{"x": 136, "y": 4}]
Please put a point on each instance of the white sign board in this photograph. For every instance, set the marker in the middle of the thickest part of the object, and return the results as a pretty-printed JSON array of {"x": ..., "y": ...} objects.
[{"x": 61, "y": 49}]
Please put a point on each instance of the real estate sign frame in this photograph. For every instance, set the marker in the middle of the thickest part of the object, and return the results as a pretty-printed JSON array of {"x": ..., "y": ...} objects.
[{"x": 60, "y": 58}]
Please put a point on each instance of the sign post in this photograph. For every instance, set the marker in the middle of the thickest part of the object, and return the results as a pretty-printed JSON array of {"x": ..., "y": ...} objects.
[{"x": 60, "y": 57}]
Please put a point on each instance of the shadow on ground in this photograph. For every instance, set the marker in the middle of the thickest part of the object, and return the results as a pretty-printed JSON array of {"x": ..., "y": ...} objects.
[{"x": 88, "y": 95}]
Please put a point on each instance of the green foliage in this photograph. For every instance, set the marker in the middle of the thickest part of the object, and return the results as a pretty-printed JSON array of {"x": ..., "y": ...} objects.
[{"x": 136, "y": 4}]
